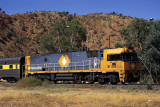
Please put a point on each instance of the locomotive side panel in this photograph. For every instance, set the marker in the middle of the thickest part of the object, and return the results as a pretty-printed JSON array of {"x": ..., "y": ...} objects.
[{"x": 63, "y": 62}]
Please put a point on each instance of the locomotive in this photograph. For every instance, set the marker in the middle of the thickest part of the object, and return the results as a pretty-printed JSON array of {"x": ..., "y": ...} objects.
[{"x": 102, "y": 66}]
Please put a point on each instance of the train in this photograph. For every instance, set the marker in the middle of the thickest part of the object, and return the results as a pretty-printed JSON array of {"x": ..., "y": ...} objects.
[{"x": 105, "y": 66}]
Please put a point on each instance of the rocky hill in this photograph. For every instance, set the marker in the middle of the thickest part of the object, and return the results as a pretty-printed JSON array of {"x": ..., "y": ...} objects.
[{"x": 20, "y": 33}]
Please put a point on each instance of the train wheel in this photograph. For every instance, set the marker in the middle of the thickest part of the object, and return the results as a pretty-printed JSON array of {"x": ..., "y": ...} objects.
[
  {"x": 101, "y": 81},
  {"x": 113, "y": 79},
  {"x": 55, "y": 82},
  {"x": 11, "y": 80},
  {"x": 123, "y": 83}
]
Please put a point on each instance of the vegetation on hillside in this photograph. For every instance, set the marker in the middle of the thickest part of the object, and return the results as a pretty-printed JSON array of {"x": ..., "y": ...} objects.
[
  {"x": 20, "y": 33},
  {"x": 65, "y": 36},
  {"x": 144, "y": 37}
]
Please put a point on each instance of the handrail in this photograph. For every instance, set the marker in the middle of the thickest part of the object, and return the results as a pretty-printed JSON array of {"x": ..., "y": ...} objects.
[{"x": 71, "y": 66}]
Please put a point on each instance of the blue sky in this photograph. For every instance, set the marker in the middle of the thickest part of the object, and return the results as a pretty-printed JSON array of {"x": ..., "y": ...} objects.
[{"x": 135, "y": 8}]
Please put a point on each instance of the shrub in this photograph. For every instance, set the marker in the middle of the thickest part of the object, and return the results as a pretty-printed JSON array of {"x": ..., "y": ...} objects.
[
  {"x": 3, "y": 37},
  {"x": 149, "y": 87},
  {"x": 24, "y": 28},
  {"x": 28, "y": 82},
  {"x": 119, "y": 45},
  {"x": 32, "y": 15},
  {"x": 31, "y": 31},
  {"x": 9, "y": 35},
  {"x": 14, "y": 34},
  {"x": 46, "y": 82},
  {"x": 43, "y": 13},
  {"x": 12, "y": 30},
  {"x": 10, "y": 20},
  {"x": 15, "y": 19}
]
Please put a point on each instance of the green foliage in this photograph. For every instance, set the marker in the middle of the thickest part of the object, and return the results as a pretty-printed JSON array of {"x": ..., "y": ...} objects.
[
  {"x": 9, "y": 35},
  {"x": 23, "y": 28},
  {"x": 10, "y": 20},
  {"x": 4, "y": 38},
  {"x": 31, "y": 31},
  {"x": 28, "y": 82},
  {"x": 32, "y": 15},
  {"x": 149, "y": 87},
  {"x": 46, "y": 82},
  {"x": 135, "y": 33},
  {"x": 144, "y": 36},
  {"x": 62, "y": 38},
  {"x": 43, "y": 13},
  {"x": 119, "y": 45},
  {"x": 145, "y": 78},
  {"x": 47, "y": 44},
  {"x": 15, "y": 19},
  {"x": 63, "y": 13},
  {"x": 12, "y": 30}
]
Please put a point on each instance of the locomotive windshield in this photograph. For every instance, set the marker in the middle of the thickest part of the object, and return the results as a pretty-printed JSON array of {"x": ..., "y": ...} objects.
[
  {"x": 129, "y": 57},
  {"x": 122, "y": 57}
]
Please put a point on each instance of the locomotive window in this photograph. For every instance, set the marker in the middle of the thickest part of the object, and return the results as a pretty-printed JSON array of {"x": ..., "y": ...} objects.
[
  {"x": 10, "y": 66},
  {"x": 89, "y": 54},
  {"x": 0, "y": 66},
  {"x": 45, "y": 59},
  {"x": 92, "y": 54},
  {"x": 129, "y": 57},
  {"x": 115, "y": 57},
  {"x": 101, "y": 55}
]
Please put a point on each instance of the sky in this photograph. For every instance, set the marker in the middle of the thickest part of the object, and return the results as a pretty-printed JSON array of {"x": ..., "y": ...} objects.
[{"x": 135, "y": 8}]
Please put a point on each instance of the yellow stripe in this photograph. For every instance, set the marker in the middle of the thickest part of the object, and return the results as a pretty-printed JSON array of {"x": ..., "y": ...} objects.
[{"x": 68, "y": 71}]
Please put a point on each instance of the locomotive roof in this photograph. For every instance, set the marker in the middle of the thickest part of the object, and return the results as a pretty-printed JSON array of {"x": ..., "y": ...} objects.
[
  {"x": 9, "y": 59},
  {"x": 120, "y": 50}
]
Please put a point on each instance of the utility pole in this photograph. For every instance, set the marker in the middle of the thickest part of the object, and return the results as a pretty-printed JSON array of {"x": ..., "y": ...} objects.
[
  {"x": 87, "y": 40},
  {"x": 109, "y": 41}
]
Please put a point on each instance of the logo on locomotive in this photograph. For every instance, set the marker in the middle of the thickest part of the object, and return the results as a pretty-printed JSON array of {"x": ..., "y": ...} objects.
[{"x": 64, "y": 61}]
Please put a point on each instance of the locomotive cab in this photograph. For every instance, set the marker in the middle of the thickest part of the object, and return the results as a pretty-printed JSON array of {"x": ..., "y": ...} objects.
[{"x": 122, "y": 63}]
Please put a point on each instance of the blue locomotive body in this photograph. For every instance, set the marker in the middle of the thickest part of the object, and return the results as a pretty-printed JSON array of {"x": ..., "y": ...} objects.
[{"x": 65, "y": 61}]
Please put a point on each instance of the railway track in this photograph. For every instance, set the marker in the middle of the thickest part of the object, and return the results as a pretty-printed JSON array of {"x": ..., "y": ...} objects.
[{"x": 96, "y": 85}]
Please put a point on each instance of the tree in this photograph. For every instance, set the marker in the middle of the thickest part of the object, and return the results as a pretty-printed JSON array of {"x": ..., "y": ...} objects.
[
  {"x": 144, "y": 36},
  {"x": 63, "y": 39},
  {"x": 118, "y": 45}
]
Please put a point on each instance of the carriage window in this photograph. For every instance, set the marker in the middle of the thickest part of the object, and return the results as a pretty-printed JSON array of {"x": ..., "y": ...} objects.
[
  {"x": 10, "y": 66},
  {"x": 0, "y": 66}
]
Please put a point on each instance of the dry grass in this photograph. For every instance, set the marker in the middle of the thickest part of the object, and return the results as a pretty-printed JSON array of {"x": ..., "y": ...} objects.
[{"x": 76, "y": 97}]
